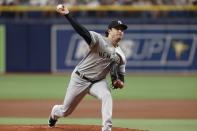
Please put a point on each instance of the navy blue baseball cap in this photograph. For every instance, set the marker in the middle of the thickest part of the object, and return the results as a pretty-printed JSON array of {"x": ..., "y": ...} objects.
[{"x": 116, "y": 23}]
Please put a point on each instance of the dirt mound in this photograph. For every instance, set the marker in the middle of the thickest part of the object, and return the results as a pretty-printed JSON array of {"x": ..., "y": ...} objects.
[
  {"x": 178, "y": 109},
  {"x": 58, "y": 127}
]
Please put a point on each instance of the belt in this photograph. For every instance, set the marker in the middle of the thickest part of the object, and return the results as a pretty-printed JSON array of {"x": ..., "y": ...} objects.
[{"x": 85, "y": 78}]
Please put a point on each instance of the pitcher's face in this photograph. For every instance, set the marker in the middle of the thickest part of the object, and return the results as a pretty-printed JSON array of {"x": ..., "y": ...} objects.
[{"x": 116, "y": 33}]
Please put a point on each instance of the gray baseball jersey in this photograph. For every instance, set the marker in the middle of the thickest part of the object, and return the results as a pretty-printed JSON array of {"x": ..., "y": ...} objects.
[{"x": 96, "y": 64}]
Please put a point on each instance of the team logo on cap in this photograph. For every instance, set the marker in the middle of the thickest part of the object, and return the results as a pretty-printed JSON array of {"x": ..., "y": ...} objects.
[{"x": 119, "y": 22}]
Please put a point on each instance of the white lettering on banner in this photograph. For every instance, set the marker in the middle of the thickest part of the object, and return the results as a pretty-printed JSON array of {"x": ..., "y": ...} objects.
[
  {"x": 140, "y": 50},
  {"x": 148, "y": 49},
  {"x": 155, "y": 46}
]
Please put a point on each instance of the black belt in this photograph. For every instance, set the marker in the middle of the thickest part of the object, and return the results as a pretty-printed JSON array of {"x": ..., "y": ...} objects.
[{"x": 85, "y": 78}]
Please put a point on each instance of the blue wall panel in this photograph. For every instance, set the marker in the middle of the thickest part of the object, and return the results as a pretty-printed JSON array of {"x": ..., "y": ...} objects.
[
  {"x": 16, "y": 47},
  {"x": 39, "y": 48},
  {"x": 28, "y": 48}
]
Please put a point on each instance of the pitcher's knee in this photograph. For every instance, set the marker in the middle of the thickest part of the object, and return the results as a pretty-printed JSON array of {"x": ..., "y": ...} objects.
[{"x": 106, "y": 95}]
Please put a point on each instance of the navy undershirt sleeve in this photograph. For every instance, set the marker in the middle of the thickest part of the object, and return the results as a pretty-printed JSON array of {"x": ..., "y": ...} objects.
[{"x": 82, "y": 31}]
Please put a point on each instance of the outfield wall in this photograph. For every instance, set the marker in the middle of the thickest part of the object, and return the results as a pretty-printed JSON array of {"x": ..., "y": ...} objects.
[{"x": 52, "y": 45}]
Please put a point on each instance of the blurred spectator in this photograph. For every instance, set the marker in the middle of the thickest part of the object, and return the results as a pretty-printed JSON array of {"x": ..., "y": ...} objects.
[
  {"x": 114, "y": 2},
  {"x": 142, "y": 14},
  {"x": 91, "y": 3},
  {"x": 68, "y": 3},
  {"x": 102, "y": 13},
  {"x": 9, "y": 2},
  {"x": 48, "y": 14},
  {"x": 126, "y": 2},
  {"x": 96, "y": 3},
  {"x": 179, "y": 2},
  {"x": 34, "y": 2},
  {"x": 42, "y": 2},
  {"x": 194, "y": 2},
  {"x": 99, "y": 2},
  {"x": 2, "y": 2},
  {"x": 139, "y": 2}
]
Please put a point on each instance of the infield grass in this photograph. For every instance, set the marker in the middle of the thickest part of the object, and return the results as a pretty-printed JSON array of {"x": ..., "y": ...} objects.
[
  {"x": 39, "y": 86},
  {"x": 27, "y": 86}
]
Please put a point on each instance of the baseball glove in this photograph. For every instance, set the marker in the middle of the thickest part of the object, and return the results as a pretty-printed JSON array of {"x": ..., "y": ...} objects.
[{"x": 116, "y": 82}]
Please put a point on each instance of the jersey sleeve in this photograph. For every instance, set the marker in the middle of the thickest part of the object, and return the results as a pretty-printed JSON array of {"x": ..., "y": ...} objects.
[
  {"x": 121, "y": 69},
  {"x": 95, "y": 37},
  {"x": 123, "y": 61},
  {"x": 122, "y": 66}
]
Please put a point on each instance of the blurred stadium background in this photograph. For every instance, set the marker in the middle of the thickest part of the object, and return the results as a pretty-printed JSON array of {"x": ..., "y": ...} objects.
[
  {"x": 161, "y": 35},
  {"x": 36, "y": 44}
]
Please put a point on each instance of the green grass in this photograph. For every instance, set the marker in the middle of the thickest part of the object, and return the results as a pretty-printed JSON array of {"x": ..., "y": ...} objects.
[
  {"x": 144, "y": 124},
  {"x": 2, "y": 48},
  {"x": 26, "y": 86}
]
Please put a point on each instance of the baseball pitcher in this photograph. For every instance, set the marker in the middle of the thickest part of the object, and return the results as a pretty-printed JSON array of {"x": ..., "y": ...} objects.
[{"x": 89, "y": 76}]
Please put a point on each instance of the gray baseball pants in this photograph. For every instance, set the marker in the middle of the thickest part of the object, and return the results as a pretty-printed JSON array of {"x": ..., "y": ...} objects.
[{"x": 76, "y": 90}]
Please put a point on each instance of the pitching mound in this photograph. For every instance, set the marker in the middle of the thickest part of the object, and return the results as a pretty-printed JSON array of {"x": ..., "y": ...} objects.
[{"x": 58, "y": 128}]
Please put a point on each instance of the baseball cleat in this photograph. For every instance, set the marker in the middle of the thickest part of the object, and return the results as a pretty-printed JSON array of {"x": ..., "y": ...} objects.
[{"x": 51, "y": 122}]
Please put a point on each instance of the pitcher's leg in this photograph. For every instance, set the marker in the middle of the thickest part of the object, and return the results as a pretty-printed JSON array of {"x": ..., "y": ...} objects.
[
  {"x": 76, "y": 90},
  {"x": 101, "y": 91},
  {"x": 70, "y": 103}
]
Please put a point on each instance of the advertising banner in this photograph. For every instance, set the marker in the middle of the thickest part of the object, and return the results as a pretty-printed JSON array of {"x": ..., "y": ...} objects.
[{"x": 148, "y": 48}]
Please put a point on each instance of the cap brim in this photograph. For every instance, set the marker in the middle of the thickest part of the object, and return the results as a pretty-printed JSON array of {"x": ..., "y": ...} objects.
[{"x": 124, "y": 27}]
